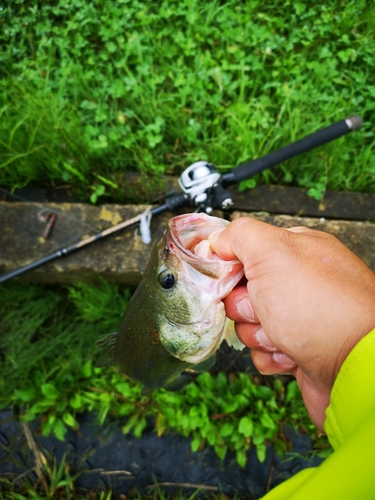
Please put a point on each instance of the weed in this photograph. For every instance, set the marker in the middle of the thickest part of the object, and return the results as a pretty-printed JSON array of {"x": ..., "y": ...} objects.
[
  {"x": 93, "y": 88},
  {"x": 227, "y": 414},
  {"x": 48, "y": 343}
]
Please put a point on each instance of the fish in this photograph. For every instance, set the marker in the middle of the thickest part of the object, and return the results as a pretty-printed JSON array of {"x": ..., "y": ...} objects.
[{"x": 176, "y": 318}]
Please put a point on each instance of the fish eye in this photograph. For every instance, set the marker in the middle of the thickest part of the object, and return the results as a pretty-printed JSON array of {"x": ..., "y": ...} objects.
[{"x": 166, "y": 279}]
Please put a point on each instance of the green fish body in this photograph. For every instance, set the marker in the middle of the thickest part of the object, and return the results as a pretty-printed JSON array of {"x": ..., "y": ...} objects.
[{"x": 176, "y": 318}]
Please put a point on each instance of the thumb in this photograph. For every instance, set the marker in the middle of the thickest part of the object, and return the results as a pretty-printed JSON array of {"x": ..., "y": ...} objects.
[
  {"x": 243, "y": 239},
  {"x": 221, "y": 244}
]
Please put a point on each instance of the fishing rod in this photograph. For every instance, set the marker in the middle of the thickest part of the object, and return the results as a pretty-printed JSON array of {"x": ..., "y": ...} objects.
[{"x": 205, "y": 188}]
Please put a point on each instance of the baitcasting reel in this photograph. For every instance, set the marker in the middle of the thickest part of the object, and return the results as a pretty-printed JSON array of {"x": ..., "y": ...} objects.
[{"x": 201, "y": 182}]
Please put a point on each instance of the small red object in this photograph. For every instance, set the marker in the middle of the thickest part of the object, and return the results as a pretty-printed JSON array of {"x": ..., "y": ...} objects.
[{"x": 49, "y": 218}]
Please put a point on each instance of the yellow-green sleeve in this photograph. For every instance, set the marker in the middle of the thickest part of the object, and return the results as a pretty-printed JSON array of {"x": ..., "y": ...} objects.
[{"x": 349, "y": 473}]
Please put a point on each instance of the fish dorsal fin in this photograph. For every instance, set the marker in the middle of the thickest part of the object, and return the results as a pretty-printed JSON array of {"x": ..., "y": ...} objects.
[
  {"x": 231, "y": 336},
  {"x": 107, "y": 346}
]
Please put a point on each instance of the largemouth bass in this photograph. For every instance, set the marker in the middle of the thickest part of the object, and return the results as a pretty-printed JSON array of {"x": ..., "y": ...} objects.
[{"x": 176, "y": 317}]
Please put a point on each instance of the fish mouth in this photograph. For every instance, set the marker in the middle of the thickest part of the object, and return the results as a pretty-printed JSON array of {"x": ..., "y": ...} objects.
[{"x": 186, "y": 231}]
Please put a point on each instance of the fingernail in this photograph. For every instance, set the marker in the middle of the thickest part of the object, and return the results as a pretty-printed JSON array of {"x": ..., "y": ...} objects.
[
  {"x": 282, "y": 359},
  {"x": 263, "y": 339},
  {"x": 245, "y": 309}
]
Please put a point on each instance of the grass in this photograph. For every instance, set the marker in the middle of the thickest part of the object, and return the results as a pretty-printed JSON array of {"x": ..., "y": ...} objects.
[
  {"x": 91, "y": 89},
  {"x": 55, "y": 482},
  {"x": 43, "y": 325}
]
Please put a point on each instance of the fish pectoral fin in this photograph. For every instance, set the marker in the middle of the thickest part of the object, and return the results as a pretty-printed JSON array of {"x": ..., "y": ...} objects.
[
  {"x": 231, "y": 336},
  {"x": 179, "y": 382},
  {"x": 146, "y": 390},
  {"x": 107, "y": 346},
  {"x": 182, "y": 380},
  {"x": 174, "y": 384},
  {"x": 205, "y": 365}
]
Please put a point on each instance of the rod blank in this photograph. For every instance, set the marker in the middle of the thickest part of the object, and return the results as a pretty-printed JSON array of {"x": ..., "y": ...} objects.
[{"x": 327, "y": 134}]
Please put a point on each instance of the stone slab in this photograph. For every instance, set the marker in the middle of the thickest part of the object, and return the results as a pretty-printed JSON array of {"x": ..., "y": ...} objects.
[
  {"x": 121, "y": 257},
  {"x": 359, "y": 236},
  {"x": 295, "y": 201}
]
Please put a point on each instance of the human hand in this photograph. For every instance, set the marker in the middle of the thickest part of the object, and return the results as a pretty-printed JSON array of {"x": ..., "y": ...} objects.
[{"x": 307, "y": 302}]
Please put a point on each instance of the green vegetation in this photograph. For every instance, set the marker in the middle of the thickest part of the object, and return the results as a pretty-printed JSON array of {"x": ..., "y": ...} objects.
[
  {"x": 90, "y": 89},
  {"x": 44, "y": 338}
]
